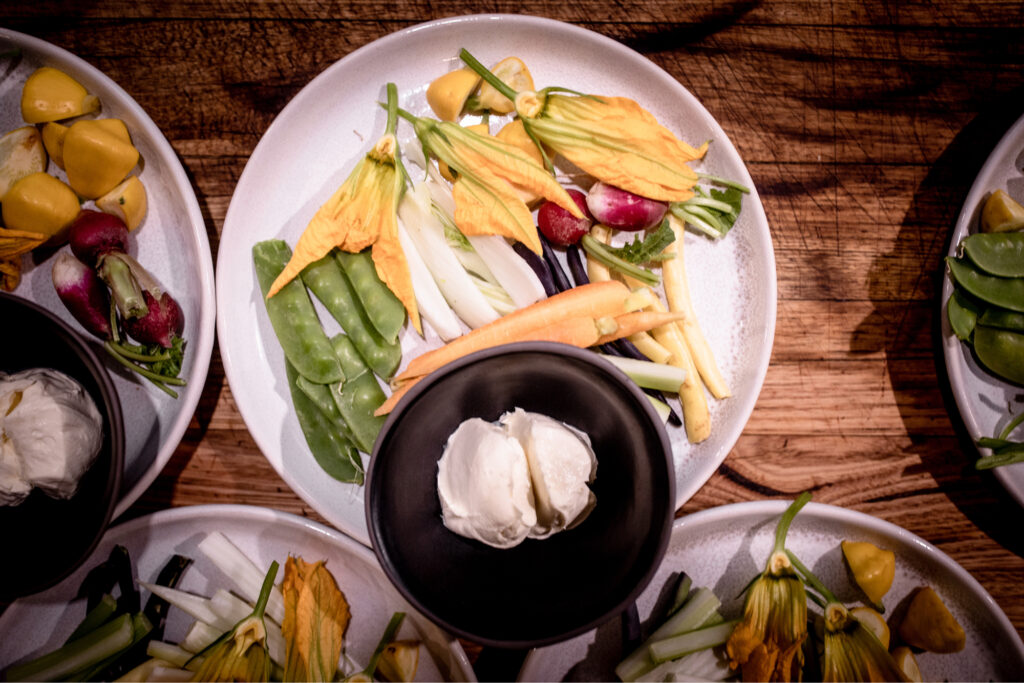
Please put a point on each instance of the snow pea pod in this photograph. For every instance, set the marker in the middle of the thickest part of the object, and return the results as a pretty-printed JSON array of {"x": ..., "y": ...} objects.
[
  {"x": 1001, "y": 291},
  {"x": 332, "y": 287},
  {"x": 1001, "y": 351},
  {"x": 359, "y": 396},
  {"x": 997, "y": 253},
  {"x": 1002, "y": 319},
  {"x": 385, "y": 311},
  {"x": 293, "y": 317},
  {"x": 962, "y": 313},
  {"x": 333, "y": 452}
]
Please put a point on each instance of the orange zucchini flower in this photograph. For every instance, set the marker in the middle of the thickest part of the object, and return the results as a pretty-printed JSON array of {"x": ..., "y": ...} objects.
[
  {"x": 766, "y": 644},
  {"x": 489, "y": 174},
  {"x": 360, "y": 214},
  {"x": 613, "y": 139}
]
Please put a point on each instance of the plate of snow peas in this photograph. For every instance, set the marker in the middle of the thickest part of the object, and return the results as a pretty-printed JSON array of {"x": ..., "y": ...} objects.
[
  {"x": 982, "y": 312},
  {"x": 222, "y": 553},
  {"x": 313, "y": 146},
  {"x": 741, "y": 536},
  {"x": 170, "y": 242}
]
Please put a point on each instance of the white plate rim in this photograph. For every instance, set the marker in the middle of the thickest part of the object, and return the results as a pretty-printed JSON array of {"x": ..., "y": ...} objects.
[
  {"x": 1011, "y": 477},
  {"x": 684, "y": 490},
  {"x": 824, "y": 512},
  {"x": 201, "y": 344},
  {"x": 244, "y": 513}
]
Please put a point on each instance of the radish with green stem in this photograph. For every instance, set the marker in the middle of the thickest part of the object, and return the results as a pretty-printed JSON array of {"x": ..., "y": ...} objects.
[{"x": 148, "y": 314}]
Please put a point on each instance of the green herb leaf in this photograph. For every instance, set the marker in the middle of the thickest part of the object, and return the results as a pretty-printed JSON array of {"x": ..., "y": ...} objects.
[{"x": 650, "y": 248}]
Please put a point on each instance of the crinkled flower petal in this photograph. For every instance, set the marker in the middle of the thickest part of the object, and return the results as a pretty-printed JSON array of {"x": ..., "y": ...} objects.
[
  {"x": 351, "y": 219},
  {"x": 490, "y": 170},
  {"x": 617, "y": 141}
]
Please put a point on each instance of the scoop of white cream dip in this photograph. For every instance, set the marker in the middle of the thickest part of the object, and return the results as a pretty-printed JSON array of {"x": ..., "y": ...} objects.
[
  {"x": 50, "y": 434},
  {"x": 524, "y": 477}
]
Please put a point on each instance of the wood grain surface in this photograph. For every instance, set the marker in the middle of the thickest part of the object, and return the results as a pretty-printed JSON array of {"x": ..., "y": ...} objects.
[{"x": 863, "y": 125}]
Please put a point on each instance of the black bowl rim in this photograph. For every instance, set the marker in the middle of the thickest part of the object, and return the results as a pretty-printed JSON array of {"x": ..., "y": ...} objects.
[
  {"x": 114, "y": 415},
  {"x": 558, "y": 349}
]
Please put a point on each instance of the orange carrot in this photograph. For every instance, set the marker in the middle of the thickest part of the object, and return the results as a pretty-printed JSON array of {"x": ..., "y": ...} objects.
[
  {"x": 396, "y": 396},
  {"x": 594, "y": 300},
  {"x": 639, "y": 321}
]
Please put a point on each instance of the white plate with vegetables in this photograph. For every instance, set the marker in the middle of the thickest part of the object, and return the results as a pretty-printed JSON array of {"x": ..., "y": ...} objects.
[
  {"x": 170, "y": 242},
  {"x": 723, "y": 548},
  {"x": 41, "y": 623},
  {"x": 315, "y": 142},
  {"x": 986, "y": 402}
]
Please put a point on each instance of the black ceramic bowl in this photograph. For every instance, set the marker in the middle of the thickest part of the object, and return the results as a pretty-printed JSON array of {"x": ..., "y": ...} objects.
[
  {"x": 45, "y": 539},
  {"x": 541, "y": 591}
]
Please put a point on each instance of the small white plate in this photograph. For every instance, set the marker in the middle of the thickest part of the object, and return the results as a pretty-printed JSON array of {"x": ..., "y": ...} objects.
[
  {"x": 984, "y": 400},
  {"x": 171, "y": 243},
  {"x": 315, "y": 141},
  {"x": 40, "y": 623},
  {"x": 723, "y": 548}
]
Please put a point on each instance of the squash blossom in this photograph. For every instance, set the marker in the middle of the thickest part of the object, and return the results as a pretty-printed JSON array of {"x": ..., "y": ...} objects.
[
  {"x": 363, "y": 213},
  {"x": 315, "y": 617},
  {"x": 489, "y": 171},
  {"x": 613, "y": 139},
  {"x": 851, "y": 651},
  {"x": 241, "y": 654},
  {"x": 767, "y": 644}
]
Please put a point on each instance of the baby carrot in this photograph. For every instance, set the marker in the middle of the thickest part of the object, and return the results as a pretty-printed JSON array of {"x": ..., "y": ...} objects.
[{"x": 596, "y": 300}]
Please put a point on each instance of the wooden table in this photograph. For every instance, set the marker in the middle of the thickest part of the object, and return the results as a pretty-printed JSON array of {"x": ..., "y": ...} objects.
[{"x": 863, "y": 126}]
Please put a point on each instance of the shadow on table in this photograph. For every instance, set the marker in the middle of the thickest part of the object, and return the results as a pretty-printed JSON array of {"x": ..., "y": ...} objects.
[{"x": 923, "y": 241}]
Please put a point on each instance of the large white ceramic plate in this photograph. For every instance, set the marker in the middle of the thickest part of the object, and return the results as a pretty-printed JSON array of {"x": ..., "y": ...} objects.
[
  {"x": 723, "y": 548},
  {"x": 171, "y": 243},
  {"x": 313, "y": 144},
  {"x": 985, "y": 401},
  {"x": 41, "y": 622}
]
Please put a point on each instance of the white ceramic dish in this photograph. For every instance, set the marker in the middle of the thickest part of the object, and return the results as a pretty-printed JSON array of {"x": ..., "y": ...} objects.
[
  {"x": 984, "y": 400},
  {"x": 313, "y": 144},
  {"x": 41, "y": 622},
  {"x": 171, "y": 243},
  {"x": 724, "y": 547}
]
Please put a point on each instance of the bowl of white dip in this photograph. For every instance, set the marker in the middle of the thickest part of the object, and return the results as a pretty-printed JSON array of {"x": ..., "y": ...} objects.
[
  {"x": 521, "y": 495},
  {"x": 61, "y": 448}
]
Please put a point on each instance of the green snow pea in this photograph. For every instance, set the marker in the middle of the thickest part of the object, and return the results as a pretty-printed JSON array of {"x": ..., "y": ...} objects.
[
  {"x": 293, "y": 317},
  {"x": 385, "y": 311},
  {"x": 997, "y": 253},
  {"x": 333, "y": 452},
  {"x": 1001, "y": 351},
  {"x": 963, "y": 314},
  {"x": 1000, "y": 291},
  {"x": 359, "y": 396},
  {"x": 1002, "y": 319},
  {"x": 334, "y": 289},
  {"x": 331, "y": 286}
]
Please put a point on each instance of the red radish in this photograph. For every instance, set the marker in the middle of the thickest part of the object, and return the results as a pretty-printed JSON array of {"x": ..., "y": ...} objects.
[
  {"x": 161, "y": 324},
  {"x": 82, "y": 292},
  {"x": 623, "y": 210},
  {"x": 93, "y": 234},
  {"x": 560, "y": 226}
]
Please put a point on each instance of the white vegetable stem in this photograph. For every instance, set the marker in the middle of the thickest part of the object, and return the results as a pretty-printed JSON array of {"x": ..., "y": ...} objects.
[
  {"x": 431, "y": 303},
  {"x": 226, "y": 556},
  {"x": 648, "y": 374},
  {"x": 513, "y": 273},
  {"x": 427, "y": 234}
]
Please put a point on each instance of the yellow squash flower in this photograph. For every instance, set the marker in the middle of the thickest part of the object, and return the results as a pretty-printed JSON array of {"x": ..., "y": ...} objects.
[
  {"x": 241, "y": 654},
  {"x": 852, "y": 652},
  {"x": 613, "y": 139},
  {"x": 315, "y": 618},
  {"x": 489, "y": 171},
  {"x": 363, "y": 213},
  {"x": 767, "y": 644}
]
